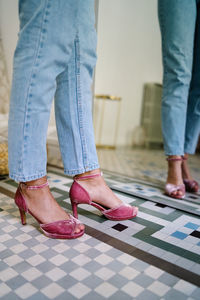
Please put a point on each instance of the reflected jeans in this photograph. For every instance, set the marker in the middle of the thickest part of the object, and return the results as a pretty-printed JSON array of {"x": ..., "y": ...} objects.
[
  {"x": 54, "y": 58},
  {"x": 180, "y": 31}
]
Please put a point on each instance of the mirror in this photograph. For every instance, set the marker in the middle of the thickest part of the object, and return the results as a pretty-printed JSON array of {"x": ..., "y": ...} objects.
[
  {"x": 129, "y": 67},
  {"x": 129, "y": 56}
]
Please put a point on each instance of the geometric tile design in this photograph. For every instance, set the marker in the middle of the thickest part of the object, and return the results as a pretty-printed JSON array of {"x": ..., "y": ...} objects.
[
  {"x": 33, "y": 266},
  {"x": 196, "y": 234},
  {"x": 119, "y": 227},
  {"x": 154, "y": 193}
]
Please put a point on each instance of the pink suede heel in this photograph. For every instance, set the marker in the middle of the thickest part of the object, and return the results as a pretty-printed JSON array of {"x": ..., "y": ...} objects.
[
  {"x": 191, "y": 186},
  {"x": 78, "y": 195},
  {"x": 64, "y": 229},
  {"x": 171, "y": 188}
]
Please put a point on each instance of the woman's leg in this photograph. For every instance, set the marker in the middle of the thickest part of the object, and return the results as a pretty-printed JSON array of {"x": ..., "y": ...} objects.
[
  {"x": 47, "y": 33},
  {"x": 73, "y": 109},
  {"x": 177, "y": 52},
  {"x": 193, "y": 111},
  {"x": 42, "y": 52}
]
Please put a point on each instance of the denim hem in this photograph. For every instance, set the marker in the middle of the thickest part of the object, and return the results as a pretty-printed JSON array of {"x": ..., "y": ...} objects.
[
  {"x": 83, "y": 170},
  {"x": 174, "y": 153},
  {"x": 191, "y": 151},
  {"x": 26, "y": 178},
  {"x": 170, "y": 151}
]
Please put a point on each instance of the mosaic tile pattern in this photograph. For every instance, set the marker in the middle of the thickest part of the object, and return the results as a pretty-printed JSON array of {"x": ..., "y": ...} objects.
[
  {"x": 152, "y": 230},
  {"x": 33, "y": 266}
]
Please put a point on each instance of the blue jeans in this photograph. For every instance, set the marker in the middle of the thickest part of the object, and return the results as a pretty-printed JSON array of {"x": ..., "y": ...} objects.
[
  {"x": 54, "y": 58},
  {"x": 180, "y": 31}
]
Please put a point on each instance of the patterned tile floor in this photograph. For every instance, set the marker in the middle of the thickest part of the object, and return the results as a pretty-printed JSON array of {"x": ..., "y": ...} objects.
[
  {"x": 153, "y": 192},
  {"x": 154, "y": 256}
]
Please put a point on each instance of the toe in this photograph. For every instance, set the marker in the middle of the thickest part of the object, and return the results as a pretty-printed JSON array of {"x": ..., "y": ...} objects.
[
  {"x": 135, "y": 211},
  {"x": 177, "y": 193},
  {"x": 174, "y": 193},
  {"x": 79, "y": 228},
  {"x": 82, "y": 227}
]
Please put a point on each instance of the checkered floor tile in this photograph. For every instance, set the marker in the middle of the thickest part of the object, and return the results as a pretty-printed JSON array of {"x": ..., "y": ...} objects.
[{"x": 33, "y": 266}]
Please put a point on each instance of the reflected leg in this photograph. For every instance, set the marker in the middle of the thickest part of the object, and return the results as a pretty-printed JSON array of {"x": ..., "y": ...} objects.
[
  {"x": 193, "y": 111},
  {"x": 177, "y": 52}
]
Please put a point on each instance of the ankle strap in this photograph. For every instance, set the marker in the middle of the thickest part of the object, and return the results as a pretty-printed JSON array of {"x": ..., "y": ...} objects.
[
  {"x": 184, "y": 158},
  {"x": 88, "y": 176},
  {"x": 174, "y": 159},
  {"x": 35, "y": 187}
]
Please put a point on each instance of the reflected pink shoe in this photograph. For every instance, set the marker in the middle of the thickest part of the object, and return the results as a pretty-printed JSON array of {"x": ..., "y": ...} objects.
[
  {"x": 171, "y": 188},
  {"x": 191, "y": 186},
  {"x": 78, "y": 195},
  {"x": 64, "y": 229}
]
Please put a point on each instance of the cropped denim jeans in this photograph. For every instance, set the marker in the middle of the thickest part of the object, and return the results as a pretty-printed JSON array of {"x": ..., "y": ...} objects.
[
  {"x": 54, "y": 58},
  {"x": 180, "y": 31}
]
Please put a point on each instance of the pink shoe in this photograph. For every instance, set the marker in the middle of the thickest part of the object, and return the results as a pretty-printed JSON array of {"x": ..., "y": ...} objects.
[
  {"x": 191, "y": 186},
  {"x": 64, "y": 229},
  {"x": 78, "y": 195},
  {"x": 171, "y": 188}
]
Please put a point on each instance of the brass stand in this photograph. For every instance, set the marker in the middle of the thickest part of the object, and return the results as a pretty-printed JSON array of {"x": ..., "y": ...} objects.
[{"x": 105, "y": 98}]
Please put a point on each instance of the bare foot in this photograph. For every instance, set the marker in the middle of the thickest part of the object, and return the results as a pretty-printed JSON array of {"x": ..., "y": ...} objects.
[
  {"x": 185, "y": 169},
  {"x": 175, "y": 174},
  {"x": 99, "y": 191},
  {"x": 42, "y": 204}
]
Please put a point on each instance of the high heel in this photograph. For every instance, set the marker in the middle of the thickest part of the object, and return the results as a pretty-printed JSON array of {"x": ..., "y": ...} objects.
[
  {"x": 64, "y": 229},
  {"x": 191, "y": 186},
  {"x": 171, "y": 188},
  {"x": 78, "y": 195},
  {"x": 23, "y": 216}
]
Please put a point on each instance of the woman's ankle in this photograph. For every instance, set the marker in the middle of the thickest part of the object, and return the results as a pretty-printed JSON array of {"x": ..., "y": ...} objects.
[
  {"x": 174, "y": 158},
  {"x": 185, "y": 156},
  {"x": 36, "y": 182},
  {"x": 92, "y": 172},
  {"x": 35, "y": 187},
  {"x": 185, "y": 168},
  {"x": 175, "y": 170}
]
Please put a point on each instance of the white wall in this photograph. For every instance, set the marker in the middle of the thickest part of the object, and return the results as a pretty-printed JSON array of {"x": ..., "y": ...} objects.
[
  {"x": 129, "y": 54},
  {"x": 9, "y": 25}
]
